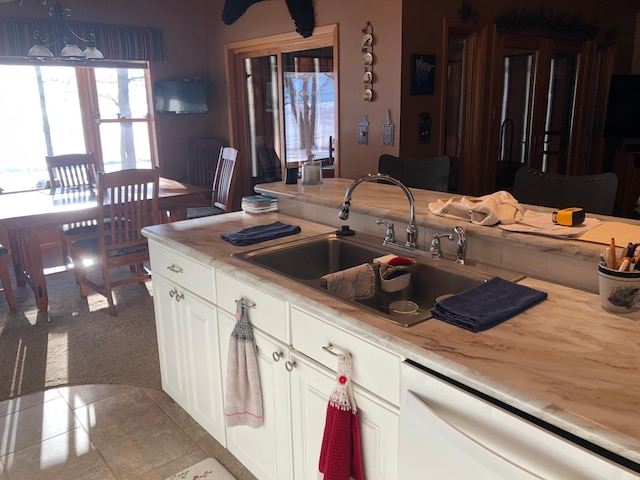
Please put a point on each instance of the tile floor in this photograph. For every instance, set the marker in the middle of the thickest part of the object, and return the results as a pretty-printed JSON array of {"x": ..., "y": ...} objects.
[{"x": 102, "y": 432}]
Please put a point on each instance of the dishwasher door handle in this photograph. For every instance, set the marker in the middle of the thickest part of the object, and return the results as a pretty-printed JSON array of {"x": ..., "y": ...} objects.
[{"x": 468, "y": 446}]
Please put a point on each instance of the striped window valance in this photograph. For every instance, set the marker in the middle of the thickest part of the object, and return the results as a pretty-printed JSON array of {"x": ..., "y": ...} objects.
[{"x": 116, "y": 42}]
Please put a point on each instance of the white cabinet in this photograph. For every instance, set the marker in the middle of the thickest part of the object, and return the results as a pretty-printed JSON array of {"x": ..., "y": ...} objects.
[
  {"x": 195, "y": 315},
  {"x": 376, "y": 379},
  {"x": 311, "y": 385},
  {"x": 187, "y": 331},
  {"x": 265, "y": 451}
]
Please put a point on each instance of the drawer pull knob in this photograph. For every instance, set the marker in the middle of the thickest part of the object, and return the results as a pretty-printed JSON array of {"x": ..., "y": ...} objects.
[
  {"x": 277, "y": 356},
  {"x": 329, "y": 348},
  {"x": 174, "y": 268},
  {"x": 174, "y": 293},
  {"x": 290, "y": 365},
  {"x": 245, "y": 303}
]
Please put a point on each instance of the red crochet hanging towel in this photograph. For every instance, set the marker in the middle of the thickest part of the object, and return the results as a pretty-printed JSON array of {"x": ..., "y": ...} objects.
[{"x": 340, "y": 456}]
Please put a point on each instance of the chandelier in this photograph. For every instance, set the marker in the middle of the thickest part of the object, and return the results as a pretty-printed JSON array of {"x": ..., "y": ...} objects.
[{"x": 65, "y": 34}]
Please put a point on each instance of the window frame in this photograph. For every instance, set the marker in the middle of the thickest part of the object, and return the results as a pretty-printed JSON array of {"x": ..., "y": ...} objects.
[{"x": 89, "y": 105}]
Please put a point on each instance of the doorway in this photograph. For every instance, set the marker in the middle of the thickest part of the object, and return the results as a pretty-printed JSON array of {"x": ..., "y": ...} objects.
[{"x": 283, "y": 91}]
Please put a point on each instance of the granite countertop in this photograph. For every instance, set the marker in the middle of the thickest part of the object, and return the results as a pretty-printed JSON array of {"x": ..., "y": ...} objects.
[{"x": 565, "y": 361}]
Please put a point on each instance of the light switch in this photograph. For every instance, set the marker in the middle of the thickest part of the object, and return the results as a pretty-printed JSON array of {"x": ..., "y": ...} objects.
[
  {"x": 387, "y": 130},
  {"x": 363, "y": 131}
]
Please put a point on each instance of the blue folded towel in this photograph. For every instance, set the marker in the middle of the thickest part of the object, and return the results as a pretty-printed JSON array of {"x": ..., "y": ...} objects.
[
  {"x": 486, "y": 305},
  {"x": 260, "y": 233}
]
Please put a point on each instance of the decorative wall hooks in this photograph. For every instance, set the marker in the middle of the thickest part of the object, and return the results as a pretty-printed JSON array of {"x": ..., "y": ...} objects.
[{"x": 367, "y": 62}]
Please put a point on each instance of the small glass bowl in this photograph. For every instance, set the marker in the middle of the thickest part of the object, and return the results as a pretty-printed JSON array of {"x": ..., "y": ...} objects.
[{"x": 404, "y": 307}]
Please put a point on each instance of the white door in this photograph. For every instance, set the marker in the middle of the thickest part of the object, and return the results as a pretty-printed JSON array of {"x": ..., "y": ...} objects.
[
  {"x": 169, "y": 331},
  {"x": 311, "y": 386},
  {"x": 202, "y": 358},
  {"x": 265, "y": 451}
]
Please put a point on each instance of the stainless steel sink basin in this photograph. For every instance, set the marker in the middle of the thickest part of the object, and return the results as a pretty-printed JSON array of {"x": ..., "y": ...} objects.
[{"x": 307, "y": 260}]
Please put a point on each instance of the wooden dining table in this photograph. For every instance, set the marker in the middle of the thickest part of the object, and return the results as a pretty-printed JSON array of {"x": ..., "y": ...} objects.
[{"x": 25, "y": 215}]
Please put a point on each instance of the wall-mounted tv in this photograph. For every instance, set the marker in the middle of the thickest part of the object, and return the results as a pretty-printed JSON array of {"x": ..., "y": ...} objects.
[
  {"x": 183, "y": 96},
  {"x": 623, "y": 109}
]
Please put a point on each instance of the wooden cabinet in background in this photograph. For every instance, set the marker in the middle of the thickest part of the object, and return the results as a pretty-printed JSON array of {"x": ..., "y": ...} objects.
[{"x": 626, "y": 166}]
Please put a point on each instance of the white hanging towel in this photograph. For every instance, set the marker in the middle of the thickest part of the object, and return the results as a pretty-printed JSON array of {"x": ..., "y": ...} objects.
[
  {"x": 243, "y": 400},
  {"x": 499, "y": 207}
]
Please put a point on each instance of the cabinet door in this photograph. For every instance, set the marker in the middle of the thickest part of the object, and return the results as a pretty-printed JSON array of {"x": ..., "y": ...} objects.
[
  {"x": 311, "y": 385},
  {"x": 170, "y": 340},
  {"x": 265, "y": 451},
  {"x": 202, "y": 357}
]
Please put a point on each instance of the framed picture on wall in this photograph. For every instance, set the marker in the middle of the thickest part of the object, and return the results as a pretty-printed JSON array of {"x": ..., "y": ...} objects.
[{"x": 422, "y": 74}]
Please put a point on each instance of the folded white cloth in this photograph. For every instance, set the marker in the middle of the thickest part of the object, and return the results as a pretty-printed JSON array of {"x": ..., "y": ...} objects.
[
  {"x": 355, "y": 283},
  {"x": 243, "y": 399},
  {"x": 498, "y": 207}
]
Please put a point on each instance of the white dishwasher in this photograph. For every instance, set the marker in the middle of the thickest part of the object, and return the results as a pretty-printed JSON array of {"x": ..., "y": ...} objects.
[{"x": 449, "y": 433}]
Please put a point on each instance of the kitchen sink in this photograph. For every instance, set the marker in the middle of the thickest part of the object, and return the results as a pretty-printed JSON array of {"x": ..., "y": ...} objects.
[{"x": 307, "y": 260}]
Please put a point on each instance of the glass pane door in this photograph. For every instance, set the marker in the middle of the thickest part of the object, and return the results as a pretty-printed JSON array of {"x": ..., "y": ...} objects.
[
  {"x": 309, "y": 104},
  {"x": 263, "y": 118}
]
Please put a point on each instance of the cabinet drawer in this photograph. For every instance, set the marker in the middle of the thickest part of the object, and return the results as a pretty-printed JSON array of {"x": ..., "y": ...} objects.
[
  {"x": 373, "y": 368},
  {"x": 269, "y": 314},
  {"x": 186, "y": 272}
]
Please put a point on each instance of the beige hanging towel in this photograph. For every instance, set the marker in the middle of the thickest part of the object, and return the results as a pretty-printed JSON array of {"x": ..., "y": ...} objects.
[{"x": 243, "y": 400}]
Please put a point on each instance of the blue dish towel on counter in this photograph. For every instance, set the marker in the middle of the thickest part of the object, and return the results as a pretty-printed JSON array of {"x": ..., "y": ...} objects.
[
  {"x": 260, "y": 233},
  {"x": 486, "y": 305}
]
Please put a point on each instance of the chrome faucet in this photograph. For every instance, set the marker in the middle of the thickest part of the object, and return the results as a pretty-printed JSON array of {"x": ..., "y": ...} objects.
[
  {"x": 412, "y": 230},
  {"x": 461, "y": 254}
]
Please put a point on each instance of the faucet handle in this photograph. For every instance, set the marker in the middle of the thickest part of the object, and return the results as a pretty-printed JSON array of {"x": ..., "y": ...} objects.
[
  {"x": 461, "y": 245},
  {"x": 436, "y": 249},
  {"x": 390, "y": 236}
]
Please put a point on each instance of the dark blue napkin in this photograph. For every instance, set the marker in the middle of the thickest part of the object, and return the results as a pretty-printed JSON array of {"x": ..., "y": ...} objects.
[
  {"x": 260, "y": 233},
  {"x": 486, "y": 305}
]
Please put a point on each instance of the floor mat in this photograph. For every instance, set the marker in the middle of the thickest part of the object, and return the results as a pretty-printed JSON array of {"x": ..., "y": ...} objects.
[{"x": 208, "y": 468}]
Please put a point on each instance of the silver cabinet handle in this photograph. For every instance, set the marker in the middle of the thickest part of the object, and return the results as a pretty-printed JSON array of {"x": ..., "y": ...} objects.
[
  {"x": 174, "y": 293},
  {"x": 175, "y": 268},
  {"x": 277, "y": 356},
  {"x": 290, "y": 365}
]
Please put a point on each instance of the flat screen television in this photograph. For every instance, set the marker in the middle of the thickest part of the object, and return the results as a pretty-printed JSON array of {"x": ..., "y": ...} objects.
[
  {"x": 623, "y": 109},
  {"x": 178, "y": 97}
]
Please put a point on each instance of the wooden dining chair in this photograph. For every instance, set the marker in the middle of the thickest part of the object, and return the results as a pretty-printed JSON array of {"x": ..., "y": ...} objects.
[
  {"x": 203, "y": 159},
  {"x": 131, "y": 200},
  {"x": 5, "y": 276},
  {"x": 223, "y": 186},
  {"x": 75, "y": 170}
]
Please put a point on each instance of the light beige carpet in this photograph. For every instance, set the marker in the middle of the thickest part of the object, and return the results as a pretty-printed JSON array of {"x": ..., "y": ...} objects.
[{"x": 76, "y": 342}]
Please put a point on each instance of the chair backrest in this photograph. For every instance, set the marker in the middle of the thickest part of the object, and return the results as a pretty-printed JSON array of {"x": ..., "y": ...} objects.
[
  {"x": 203, "y": 159},
  {"x": 594, "y": 193},
  {"x": 132, "y": 200},
  {"x": 427, "y": 174},
  {"x": 225, "y": 179},
  {"x": 71, "y": 170}
]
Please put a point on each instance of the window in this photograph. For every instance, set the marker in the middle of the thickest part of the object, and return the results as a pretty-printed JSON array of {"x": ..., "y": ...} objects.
[{"x": 54, "y": 110}]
